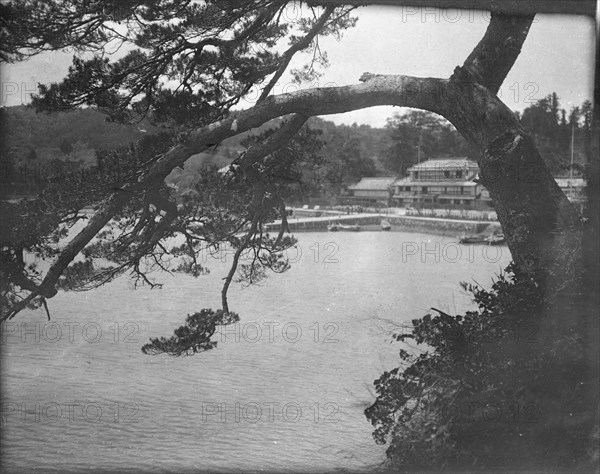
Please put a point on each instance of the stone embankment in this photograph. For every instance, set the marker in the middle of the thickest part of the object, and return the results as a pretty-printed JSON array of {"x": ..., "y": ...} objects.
[{"x": 429, "y": 225}]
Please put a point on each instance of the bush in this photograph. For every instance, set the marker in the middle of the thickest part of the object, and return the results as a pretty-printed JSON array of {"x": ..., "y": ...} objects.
[{"x": 492, "y": 390}]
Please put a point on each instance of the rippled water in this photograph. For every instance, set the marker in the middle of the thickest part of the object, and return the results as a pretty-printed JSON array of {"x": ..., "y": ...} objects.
[{"x": 285, "y": 390}]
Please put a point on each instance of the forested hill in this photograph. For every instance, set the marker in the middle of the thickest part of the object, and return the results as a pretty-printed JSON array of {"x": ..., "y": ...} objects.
[
  {"x": 47, "y": 141},
  {"x": 56, "y": 135},
  {"x": 28, "y": 135},
  {"x": 70, "y": 140}
]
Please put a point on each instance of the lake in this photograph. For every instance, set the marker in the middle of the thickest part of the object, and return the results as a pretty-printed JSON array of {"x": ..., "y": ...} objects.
[{"x": 285, "y": 389}]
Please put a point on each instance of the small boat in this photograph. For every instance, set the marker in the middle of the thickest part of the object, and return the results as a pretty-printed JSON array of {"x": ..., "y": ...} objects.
[
  {"x": 492, "y": 239},
  {"x": 336, "y": 227},
  {"x": 385, "y": 225},
  {"x": 495, "y": 239},
  {"x": 472, "y": 239}
]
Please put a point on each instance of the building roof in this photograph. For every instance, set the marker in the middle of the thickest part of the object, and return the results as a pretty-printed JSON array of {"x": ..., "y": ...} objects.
[
  {"x": 575, "y": 182},
  {"x": 373, "y": 184},
  {"x": 460, "y": 162},
  {"x": 439, "y": 182}
]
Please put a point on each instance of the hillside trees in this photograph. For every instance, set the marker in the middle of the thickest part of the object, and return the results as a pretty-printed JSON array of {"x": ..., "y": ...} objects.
[
  {"x": 346, "y": 159},
  {"x": 555, "y": 130},
  {"x": 71, "y": 137},
  {"x": 418, "y": 135}
]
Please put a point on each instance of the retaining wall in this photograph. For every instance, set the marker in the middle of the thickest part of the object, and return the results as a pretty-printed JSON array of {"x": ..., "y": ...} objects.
[{"x": 400, "y": 223}]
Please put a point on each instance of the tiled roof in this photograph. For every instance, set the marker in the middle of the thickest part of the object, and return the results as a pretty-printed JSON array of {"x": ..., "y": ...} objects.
[
  {"x": 373, "y": 184},
  {"x": 440, "y": 182},
  {"x": 575, "y": 182},
  {"x": 444, "y": 163}
]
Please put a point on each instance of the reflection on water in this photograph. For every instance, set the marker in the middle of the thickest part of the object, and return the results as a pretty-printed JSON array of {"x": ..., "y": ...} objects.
[{"x": 285, "y": 389}]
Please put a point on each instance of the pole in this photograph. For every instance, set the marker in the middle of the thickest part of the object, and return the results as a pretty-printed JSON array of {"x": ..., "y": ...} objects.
[{"x": 572, "y": 149}]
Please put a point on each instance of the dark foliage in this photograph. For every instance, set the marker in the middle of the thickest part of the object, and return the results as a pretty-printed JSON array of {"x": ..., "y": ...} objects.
[
  {"x": 558, "y": 132},
  {"x": 418, "y": 136},
  {"x": 194, "y": 336},
  {"x": 350, "y": 152},
  {"x": 216, "y": 51},
  {"x": 489, "y": 390},
  {"x": 38, "y": 226}
]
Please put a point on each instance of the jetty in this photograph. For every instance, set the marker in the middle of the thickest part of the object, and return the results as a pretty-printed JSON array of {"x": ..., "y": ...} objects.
[{"x": 372, "y": 221}]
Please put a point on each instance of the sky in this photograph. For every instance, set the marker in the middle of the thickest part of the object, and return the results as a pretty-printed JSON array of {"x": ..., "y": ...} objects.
[{"x": 558, "y": 56}]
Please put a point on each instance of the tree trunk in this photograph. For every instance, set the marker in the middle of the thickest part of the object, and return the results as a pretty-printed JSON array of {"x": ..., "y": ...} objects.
[{"x": 543, "y": 229}]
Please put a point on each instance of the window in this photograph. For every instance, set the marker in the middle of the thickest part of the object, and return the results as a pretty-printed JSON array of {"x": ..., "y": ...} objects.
[
  {"x": 446, "y": 174},
  {"x": 424, "y": 189},
  {"x": 459, "y": 174}
]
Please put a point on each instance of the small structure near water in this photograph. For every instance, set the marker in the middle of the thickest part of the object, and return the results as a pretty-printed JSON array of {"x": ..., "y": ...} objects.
[
  {"x": 372, "y": 191},
  {"x": 337, "y": 227},
  {"x": 490, "y": 236}
]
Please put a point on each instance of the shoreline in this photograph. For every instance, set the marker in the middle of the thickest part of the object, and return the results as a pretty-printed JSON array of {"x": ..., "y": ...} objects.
[{"x": 433, "y": 225}]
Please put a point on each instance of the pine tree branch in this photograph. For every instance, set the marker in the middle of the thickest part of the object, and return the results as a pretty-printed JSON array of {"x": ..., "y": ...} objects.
[{"x": 300, "y": 45}]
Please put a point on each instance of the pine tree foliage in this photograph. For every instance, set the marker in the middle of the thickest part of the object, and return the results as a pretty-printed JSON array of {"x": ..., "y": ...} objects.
[
  {"x": 193, "y": 337},
  {"x": 215, "y": 51},
  {"x": 179, "y": 65}
]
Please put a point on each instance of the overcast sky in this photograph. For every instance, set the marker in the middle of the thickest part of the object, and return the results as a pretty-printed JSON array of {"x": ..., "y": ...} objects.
[{"x": 558, "y": 56}]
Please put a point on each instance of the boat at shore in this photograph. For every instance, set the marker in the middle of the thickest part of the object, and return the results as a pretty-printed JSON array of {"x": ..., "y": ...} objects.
[
  {"x": 472, "y": 239},
  {"x": 385, "y": 225},
  {"x": 493, "y": 239},
  {"x": 337, "y": 227}
]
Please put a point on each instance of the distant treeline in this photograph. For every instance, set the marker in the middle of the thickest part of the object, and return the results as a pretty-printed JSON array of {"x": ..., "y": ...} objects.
[
  {"x": 556, "y": 129},
  {"x": 39, "y": 148}
]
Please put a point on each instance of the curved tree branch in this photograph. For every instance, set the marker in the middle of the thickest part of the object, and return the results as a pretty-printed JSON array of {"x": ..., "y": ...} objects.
[
  {"x": 406, "y": 91},
  {"x": 403, "y": 91},
  {"x": 573, "y": 7},
  {"x": 470, "y": 105},
  {"x": 300, "y": 45}
]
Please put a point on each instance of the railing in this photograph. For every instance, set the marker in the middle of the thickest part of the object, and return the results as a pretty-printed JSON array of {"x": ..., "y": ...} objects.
[
  {"x": 402, "y": 194},
  {"x": 465, "y": 214}
]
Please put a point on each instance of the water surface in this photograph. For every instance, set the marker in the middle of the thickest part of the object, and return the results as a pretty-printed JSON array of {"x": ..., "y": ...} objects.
[{"x": 285, "y": 390}]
